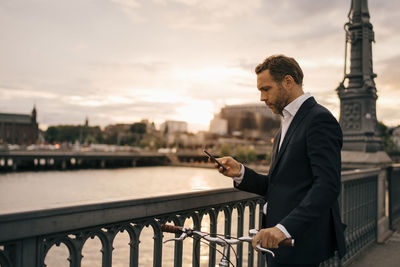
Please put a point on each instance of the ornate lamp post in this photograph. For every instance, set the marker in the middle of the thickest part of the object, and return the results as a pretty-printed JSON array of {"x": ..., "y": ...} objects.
[
  {"x": 357, "y": 91},
  {"x": 358, "y": 98}
]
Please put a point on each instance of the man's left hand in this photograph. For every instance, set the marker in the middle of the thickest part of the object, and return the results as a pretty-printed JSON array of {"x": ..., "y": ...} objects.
[{"x": 268, "y": 238}]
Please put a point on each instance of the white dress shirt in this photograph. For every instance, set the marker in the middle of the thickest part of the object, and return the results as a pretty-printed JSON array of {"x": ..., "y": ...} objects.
[{"x": 288, "y": 114}]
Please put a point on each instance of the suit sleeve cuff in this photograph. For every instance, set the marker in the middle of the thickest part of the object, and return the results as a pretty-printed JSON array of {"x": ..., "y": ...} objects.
[
  {"x": 239, "y": 178},
  {"x": 283, "y": 229}
]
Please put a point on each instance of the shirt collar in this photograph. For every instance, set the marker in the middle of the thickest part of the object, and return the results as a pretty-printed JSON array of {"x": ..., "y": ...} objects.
[{"x": 292, "y": 108}]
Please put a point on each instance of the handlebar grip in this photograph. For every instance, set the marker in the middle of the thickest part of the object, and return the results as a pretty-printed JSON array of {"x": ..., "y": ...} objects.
[
  {"x": 171, "y": 228},
  {"x": 288, "y": 242}
]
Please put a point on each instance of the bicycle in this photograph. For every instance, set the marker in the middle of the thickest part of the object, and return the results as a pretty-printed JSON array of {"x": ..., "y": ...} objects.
[{"x": 224, "y": 242}]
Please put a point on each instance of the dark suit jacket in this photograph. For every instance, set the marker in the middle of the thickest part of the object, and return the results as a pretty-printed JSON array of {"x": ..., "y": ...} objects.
[{"x": 303, "y": 185}]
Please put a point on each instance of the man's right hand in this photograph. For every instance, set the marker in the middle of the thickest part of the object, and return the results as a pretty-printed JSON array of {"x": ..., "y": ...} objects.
[{"x": 232, "y": 166}]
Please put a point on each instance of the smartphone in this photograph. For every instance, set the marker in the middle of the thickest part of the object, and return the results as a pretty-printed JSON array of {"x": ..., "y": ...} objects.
[{"x": 214, "y": 159}]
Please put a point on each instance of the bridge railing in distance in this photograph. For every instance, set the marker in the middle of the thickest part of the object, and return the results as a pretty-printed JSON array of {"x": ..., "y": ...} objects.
[
  {"x": 359, "y": 201},
  {"x": 358, "y": 204},
  {"x": 394, "y": 194},
  {"x": 26, "y": 238}
]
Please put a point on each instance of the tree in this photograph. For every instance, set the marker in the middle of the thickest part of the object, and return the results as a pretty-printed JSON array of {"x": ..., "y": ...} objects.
[
  {"x": 251, "y": 155},
  {"x": 388, "y": 143},
  {"x": 268, "y": 157},
  {"x": 138, "y": 127},
  {"x": 245, "y": 154},
  {"x": 72, "y": 133},
  {"x": 51, "y": 134},
  {"x": 225, "y": 150}
]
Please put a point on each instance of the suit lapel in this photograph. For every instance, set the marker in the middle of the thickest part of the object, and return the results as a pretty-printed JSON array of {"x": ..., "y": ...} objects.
[
  {"x": 275, "y": 147},
  {"x": 300, "y": 115}
]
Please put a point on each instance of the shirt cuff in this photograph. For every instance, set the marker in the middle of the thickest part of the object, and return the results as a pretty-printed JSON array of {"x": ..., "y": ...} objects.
[
  {"x": 283, "y": 229},
  {"x": 239, "y": 178}
]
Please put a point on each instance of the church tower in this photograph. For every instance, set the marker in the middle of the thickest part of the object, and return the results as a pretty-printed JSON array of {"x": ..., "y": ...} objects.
[{"x": 34, "y": 114}]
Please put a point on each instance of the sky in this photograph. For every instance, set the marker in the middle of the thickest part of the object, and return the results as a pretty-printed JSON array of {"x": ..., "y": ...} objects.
[{"x": 120, "y": 61}]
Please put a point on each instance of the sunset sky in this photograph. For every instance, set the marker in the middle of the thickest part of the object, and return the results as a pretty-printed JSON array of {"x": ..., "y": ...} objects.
[{"x": 118, "y": 61}]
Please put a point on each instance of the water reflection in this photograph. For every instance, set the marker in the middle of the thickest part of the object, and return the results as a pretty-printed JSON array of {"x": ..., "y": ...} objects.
[{"x": 27, "y": 191}]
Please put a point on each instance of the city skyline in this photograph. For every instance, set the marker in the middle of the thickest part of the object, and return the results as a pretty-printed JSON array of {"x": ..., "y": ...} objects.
[{"x": 118, "y": 61}]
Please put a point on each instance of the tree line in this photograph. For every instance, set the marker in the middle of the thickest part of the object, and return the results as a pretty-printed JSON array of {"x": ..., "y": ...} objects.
[{"x": 136, "y": 134}]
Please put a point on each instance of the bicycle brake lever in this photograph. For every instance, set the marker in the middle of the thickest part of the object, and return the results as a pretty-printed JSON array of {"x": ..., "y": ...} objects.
[
  {"x": 182, "y": 237},
  {"x": 253, "y": 232},
  {"x": 261, "y": 249}
]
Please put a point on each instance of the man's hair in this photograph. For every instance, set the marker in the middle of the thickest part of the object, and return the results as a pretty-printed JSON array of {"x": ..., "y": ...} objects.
[{"x": 279, "y": 66}]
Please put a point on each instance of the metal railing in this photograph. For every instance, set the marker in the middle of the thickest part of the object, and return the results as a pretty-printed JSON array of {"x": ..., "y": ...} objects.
[
  {"x": 394, "y": 194},
  {"x": 359, "y": 200},
  {"x": 26, "y": 238}
]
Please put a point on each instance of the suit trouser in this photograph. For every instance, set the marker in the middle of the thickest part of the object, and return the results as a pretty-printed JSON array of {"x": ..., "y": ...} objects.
[{"x": 271, "y": 262}]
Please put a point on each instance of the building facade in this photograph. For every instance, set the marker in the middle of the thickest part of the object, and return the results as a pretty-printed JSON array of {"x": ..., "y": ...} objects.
[
  {"x": 396, "y": 137},
  {"x": 254, "y": 121},
  {"x": 19, "y": 129},
  {"x": 219, "y": 126},
  {"x": 169, "y": 127}
]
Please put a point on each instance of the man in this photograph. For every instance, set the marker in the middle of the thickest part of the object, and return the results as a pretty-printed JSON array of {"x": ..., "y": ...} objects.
[{"x": 303, "y": 183}]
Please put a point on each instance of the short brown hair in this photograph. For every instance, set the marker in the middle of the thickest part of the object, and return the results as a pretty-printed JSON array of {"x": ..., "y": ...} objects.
[{"x": 279, "y": 66}]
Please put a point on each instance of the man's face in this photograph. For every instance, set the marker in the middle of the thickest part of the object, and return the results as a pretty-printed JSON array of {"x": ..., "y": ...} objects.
[{"x": 275, "y": 96}]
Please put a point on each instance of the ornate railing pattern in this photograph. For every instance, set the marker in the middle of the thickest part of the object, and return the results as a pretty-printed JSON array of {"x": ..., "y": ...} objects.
[
  {"x": 394, "y": 194},
  {"x": 4, "y": 258},
  {"x": 359, "y": 200},
  {"x": 27, "y": 237},
  {"x": 40, "y": 231}
]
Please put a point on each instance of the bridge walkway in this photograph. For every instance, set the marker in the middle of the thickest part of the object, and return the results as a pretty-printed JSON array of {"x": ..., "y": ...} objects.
[{"x": 386, "y": 254}]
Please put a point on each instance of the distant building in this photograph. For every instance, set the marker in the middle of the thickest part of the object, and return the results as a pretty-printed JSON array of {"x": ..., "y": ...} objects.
[
  {"x": 169, "y": 127},
  {"x": 20, "y": 129},
  {"x": 219, "y": 126},
  {"x": 249, "y": 121},
  {"x": 396, "y": 137},
  {"x": 150, "y": 126}
]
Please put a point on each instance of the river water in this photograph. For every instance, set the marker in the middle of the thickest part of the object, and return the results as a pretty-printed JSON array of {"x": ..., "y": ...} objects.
[{"x": 26, "y": 191}]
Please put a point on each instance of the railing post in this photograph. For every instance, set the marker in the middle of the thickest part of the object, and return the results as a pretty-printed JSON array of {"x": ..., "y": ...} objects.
[
  {"x": 228, "y": 225},
  {"x": 240, "y": 226},
  {"x": 196, "y": 242},
  {"x": 252, "y": 219},
  {"x": 390, "y": 196},
  {"x": 157, "y": 261},
  {"x": 383, "y": 231},
  {"x": 213, "y": 214},
  {"x": 23, "y": 253},
  {"x": 394, "y": 195},
  {"x": 261, "y": 257},
  {"x": 134, "y": 246}
]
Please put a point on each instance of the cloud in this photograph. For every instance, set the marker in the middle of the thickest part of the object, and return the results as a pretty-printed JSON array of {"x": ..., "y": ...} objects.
[
  {"x": 205, "y": 15},
  {"x": 131, "y": 7},
  {"x": 128, "y": 4},
  {"x": 121, "y": 60},
  {"x": 389, "y": 74},
  {"x": 221, "y": 9}
]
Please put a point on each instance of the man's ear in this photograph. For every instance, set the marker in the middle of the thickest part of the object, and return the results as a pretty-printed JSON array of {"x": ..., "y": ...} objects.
[{"x": 288, "y": 81}]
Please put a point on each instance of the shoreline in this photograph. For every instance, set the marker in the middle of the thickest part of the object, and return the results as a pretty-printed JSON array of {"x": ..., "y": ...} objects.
[{"x": 263, "y": 169}]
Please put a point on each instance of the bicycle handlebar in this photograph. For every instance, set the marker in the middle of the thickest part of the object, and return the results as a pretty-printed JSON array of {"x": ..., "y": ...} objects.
[
  {"x": 171, "y": 229},
  {"x": 288, "y": 242}
]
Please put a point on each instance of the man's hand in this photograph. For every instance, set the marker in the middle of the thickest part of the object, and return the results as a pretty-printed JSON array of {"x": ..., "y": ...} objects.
[
  {"x": 231, "y": 165},
  {"x": 268, "y": 238}
]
